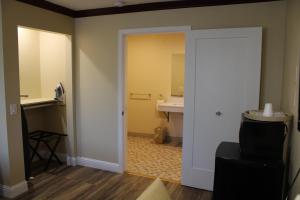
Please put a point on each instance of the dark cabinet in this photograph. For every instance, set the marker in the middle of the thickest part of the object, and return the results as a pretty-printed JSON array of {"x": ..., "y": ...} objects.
[{"x": 243, "y": 178}]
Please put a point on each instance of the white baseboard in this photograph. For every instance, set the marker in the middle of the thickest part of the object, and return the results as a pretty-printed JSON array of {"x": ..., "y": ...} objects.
[
  {"x": 71, "y": 161},
  {"x": 87, "y": 162},
  {"x": 99, "y": 164},
  {"x": 13, "y": 191}
]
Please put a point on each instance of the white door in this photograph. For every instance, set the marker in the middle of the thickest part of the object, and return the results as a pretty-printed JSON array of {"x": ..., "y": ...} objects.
[{"x": 222, "y": 81}]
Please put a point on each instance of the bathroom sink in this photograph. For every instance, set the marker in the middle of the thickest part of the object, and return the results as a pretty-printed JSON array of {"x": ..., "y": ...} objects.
[
  {"x": 176, "y": 107},
  {"x": 170, "y": 107}
]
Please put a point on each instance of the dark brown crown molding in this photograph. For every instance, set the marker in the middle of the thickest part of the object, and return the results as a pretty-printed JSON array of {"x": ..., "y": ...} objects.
[
  {"x": 50, "y": 6},
  {"x": 175, "y": 4},
  {"x": 161, "y": 6}
]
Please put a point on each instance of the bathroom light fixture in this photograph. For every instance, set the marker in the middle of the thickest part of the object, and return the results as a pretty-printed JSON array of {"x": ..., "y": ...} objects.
[{"x": 120, "y": 3}]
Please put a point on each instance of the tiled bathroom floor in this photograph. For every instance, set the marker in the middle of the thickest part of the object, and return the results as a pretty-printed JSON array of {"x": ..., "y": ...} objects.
[{"x": 148, "y": 159}]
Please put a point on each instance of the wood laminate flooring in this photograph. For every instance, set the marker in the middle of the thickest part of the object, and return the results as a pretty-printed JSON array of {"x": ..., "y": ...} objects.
[{"x": 68, "y": 183}]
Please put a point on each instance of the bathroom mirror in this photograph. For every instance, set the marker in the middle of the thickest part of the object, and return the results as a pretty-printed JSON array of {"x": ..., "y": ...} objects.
[{"x": 177, "y": 74}]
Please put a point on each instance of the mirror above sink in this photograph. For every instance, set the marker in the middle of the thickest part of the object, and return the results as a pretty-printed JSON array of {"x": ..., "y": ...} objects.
[
  {"x": 175, "y": 103},
  {"x": 177, "y": 74}
]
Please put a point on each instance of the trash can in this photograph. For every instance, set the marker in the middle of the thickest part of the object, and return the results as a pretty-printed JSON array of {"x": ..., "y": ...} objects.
[{"x": 160, "y": 135}]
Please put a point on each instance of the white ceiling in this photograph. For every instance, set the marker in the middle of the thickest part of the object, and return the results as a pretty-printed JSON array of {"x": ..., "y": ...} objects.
[{"x": 92, "y": 4}]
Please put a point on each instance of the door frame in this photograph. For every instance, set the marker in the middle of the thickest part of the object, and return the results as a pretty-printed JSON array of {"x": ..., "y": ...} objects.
[{"x": 122, "y": 119}]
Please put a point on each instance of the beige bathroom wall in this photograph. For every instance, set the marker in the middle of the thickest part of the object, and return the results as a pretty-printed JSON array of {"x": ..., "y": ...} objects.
[
  {"x": 149, "y": 71},
  {"x": 97, "y": 62},
  {"x": 53, "y": 58},
  {"x": 29, "y": 62},
  {"x": 15, "y": 14},
  {"x": 290, "y": 92}
]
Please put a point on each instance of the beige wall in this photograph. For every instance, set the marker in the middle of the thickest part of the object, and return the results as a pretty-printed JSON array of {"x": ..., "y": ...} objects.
[
  {"x": 97, "y": 55},
  {"x": 29, "y": 62},
  {"x": 53, "y": 50},
  {"x": 13, "y": 14},
  {"x": 291, "y": 82},
  {"x": 42, "y": 62},
  {"x": 4, "y": 158},
  {"x": 149, "y": 70}
]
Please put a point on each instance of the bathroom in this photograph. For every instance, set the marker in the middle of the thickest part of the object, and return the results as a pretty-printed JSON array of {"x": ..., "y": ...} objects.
[{"x": 155, "y": 102}]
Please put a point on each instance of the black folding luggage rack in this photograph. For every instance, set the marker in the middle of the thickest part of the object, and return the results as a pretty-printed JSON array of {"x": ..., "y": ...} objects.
[
  {"x": 50, "y": 139},
  {"x": 47, "y": 138}
]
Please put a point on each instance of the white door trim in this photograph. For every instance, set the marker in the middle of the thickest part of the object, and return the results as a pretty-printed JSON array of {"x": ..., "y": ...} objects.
[{"x": 122, "y": 80}]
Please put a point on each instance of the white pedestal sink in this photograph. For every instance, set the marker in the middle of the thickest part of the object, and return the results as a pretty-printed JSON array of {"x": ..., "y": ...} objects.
[{"x": 174, "y": 104}]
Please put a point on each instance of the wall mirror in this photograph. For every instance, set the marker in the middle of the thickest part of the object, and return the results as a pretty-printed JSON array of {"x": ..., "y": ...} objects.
[{"x": 177, "y": 75}]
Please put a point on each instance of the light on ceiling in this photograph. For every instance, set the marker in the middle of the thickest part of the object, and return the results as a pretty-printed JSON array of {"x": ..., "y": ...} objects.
[{"x": 120, "y": 3}]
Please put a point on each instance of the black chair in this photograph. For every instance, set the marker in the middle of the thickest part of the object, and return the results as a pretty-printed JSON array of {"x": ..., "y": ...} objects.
[{"x": 50, "y": 139}]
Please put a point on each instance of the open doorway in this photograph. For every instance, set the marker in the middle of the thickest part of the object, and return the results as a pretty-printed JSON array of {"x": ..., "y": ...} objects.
[
  {"x": 217, "y": 60},
  {"x": 154, "y": 102},
  {"x": 45, "y": 72}
]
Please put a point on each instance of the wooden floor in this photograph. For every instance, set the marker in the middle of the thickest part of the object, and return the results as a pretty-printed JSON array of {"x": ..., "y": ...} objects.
[{"x": 67, "y": 183}]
